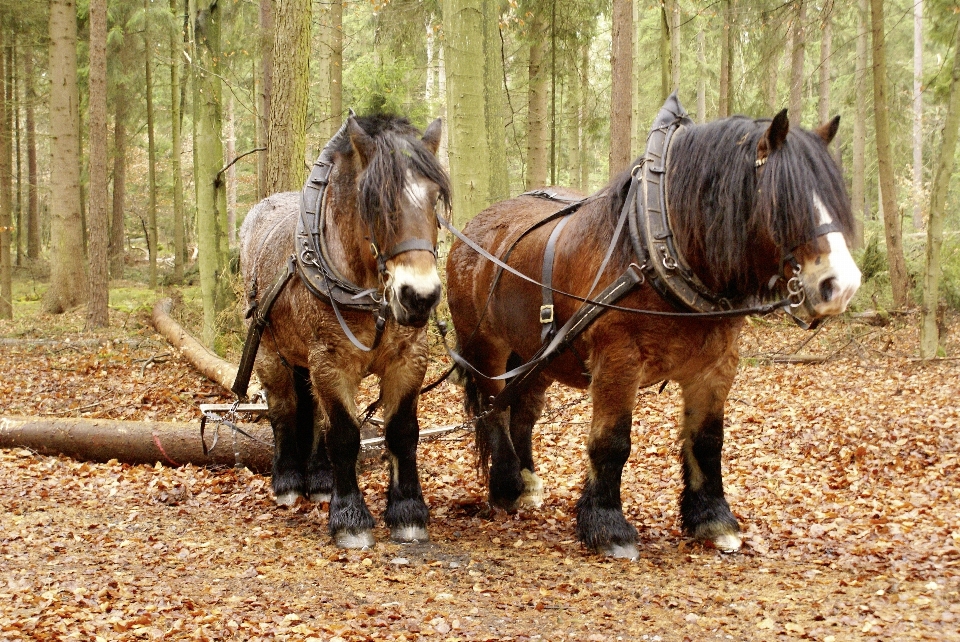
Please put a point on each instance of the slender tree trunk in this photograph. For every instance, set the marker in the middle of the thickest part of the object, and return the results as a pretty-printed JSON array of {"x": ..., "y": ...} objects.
[
  {"x": 266, "y": 91},
  {"x": 621, "y": 93},
  {"x": 701, "y": 74},
  {"x": 33, "y": 199},
  {"x": 17, "y": 152},
  {"x": 117, "y": 231},
  {"x": 208, "y": 160},
  {"x": 665, "y": 61},
  {"x": 899, "y": 279},
  {"x": 797, "y": 54},
  {"x": 773, "y": 43},
  {"x": 929, "y": 335},
  {"x": 917, "y": 113},
  {"x": 826, "y": 46},
  {"x": 152, "y": 228},
  {"x": 68, "y": 276},
  {"x": 176, "y": 143},
  {"x": 6, "y": 180},
  {"x": 231, "y": 175},
  {"x": 858, "y": 187},
  {"x": 536, "y": 107},
  {"x": 572, "y": 122},
  {"x": 494, "y": 101},
  {"x": 726, "y": 60},
  {"x": 287, "y": 132},
  {"x": 585, "y": 154},
  {"x": 330, "y": 63},
  {"x": 97, "y": 306}
]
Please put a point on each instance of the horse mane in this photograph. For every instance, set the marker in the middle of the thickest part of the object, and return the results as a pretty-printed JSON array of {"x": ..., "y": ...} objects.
[{"x": 399, "y": 150}]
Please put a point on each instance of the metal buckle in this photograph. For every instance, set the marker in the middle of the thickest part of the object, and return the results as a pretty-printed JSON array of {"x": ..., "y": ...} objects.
[{"x": 546, "y": 314}]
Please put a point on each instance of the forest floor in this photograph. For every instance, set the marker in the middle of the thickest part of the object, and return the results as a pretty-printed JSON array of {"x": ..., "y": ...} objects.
[{"x": 844, "y": 475}]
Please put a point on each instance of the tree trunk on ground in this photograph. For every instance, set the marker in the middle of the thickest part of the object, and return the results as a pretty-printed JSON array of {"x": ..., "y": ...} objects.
[
  {"x": 726, "y": 61},
  {"x": 33, "y": 201},
  {"x": 138, "y": 442},
  {"x": 330, "y": 63},
  {"x": 797, "y": 54},
  {"x": 899, "y": 280},
  {"x": 118, "y": 210},
  {"x": 68, "y": 277},
  {"x": 6, "y": 184},
  {"x": 97, "y": 307},
  {"x": 621, "y": 92},
  {"x": 266, "y": 91},
  {"x": 929, "y": 335},
  {"x": 537, "y": 75},
  {"x": 208, "y": 160},
  {"x": 287, "y": 129},
  {"x": 152, "y": 228},
  {"x": 858, "y": 180},
  {"x": 176, "y": 144},
  {"x": 917, "y": 113}
]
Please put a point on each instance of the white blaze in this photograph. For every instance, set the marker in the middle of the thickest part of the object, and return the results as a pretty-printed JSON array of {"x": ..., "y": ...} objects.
[{"x": 837, "y": 265}]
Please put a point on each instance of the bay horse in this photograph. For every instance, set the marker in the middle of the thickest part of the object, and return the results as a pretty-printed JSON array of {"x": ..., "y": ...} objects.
[
  {"x": 367, "y": 233},
  {"x": 748, "y": 204}
]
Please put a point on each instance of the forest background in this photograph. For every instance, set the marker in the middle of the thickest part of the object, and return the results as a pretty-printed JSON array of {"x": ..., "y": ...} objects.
[{"x": 135, "y": 134}]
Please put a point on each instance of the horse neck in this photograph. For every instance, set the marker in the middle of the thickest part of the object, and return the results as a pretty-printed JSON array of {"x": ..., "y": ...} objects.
[{"x": 346, "y": 236}]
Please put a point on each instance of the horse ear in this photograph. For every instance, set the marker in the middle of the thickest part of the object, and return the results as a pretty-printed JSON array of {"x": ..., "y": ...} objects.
[
  {"x": 431, "y": 137},
  {"x": 362, "y": 143},
  {"x": 828, "y": 130},
  {"x": 774, "y": 137}
]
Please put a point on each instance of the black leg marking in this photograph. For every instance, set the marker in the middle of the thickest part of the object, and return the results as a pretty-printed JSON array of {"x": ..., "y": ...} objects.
[
  {"x": 406, "y": 514},
  {"x": 350, "y": 520},
  {"x": 704, "y": 511}
]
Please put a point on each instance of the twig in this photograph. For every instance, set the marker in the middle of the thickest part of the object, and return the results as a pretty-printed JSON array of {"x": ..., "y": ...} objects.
[{"x": 157, "y": 358}]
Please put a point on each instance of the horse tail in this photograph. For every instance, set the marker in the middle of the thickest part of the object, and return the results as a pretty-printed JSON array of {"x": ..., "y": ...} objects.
[{"x": 475, "y": 403}]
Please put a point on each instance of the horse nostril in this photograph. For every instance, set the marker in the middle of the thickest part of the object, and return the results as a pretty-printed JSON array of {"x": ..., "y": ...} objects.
[
  {"x": 418, "y": 301},
  {"x": 827, "y": 289}
]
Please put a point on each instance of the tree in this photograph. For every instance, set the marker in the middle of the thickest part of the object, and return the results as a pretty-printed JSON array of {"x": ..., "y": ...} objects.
[
  {"x": 537, "y": 120},
  {"x": 97, "y": 306},
  {"x": 330, "y": 63},
  {"x": 621, "y": 91},
  {"x": 265, "y": 91},
  {"x": 929, "y": 335},
  {"x": 287, "y": 128},
  {"x": 917, "y": 112},
  {"x": 858, "y": 188},
  {"x": 899, "y": 280},
  {"x": 726, "y": 61},
  {"x": 176, "y": 143},
  {"x": 68, "y": 276},
  {"x": 33, "y": 200},
  {"x": 6, "y": 183},
  {"x": 152, "y": 228},
  {"x": 797, "y": 54}
]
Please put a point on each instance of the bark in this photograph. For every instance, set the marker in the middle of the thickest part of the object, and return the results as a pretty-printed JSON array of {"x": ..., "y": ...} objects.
[
  {"x": 176, "y": 144},
  {"x": 929, "y": 333},
  {"x": 858, "y": 185},
  {"x": 231, "y": 175},
  {"x": 68, "y": 277},
  {"x": 917, "y": 113},
  {"x": 97, "y": 306},
  {"x": 797, "y": 54},
  {"x": 621, "y": 92},
  {"x": 669, "y": 47},
  {"x": 17, "y": 151},
  {"x": 494, "y": 102},
  {"x": 266, "y": 91},
  {"x": 152, "y": 229},
  {"x": 701, "y": 74},
  {"x": 138, "y": 442},
  {"x": 6, "y": 183},
  {"x": 584, "y": 139},
  {"x": 571, "y": 120},
  {"x": 773, "y": 44},
  {"x": 726, "y": 61},
  {"x": 899, "y": 280},
  {"x": 537, "y": 74},
  {"x": 287, "y": 127},
  {"x": 33, "y": 201},
  {"x": 826, "y": 47},
  {"x": 117, "y": 231},
  {"x": 330, "y": 63}
]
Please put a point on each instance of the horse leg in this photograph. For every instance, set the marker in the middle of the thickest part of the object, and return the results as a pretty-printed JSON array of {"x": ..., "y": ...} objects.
[
  {"x": 523, "y": 415},
  {"x": 704, "y": 511},
  {"x": 289, "y": 419},
  {"x": 600, "y": 521},
  {"x": 317, "y": 475},
  {"x": 406, "y": 514}
]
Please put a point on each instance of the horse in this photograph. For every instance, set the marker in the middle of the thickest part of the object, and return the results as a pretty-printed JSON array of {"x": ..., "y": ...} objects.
[
  {"x": 748, "y": 205},
  {"x": 363, "y": 243}
]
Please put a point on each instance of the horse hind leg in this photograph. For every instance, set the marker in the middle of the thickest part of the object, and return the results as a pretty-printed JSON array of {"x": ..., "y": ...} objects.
[
  {"x": 292, "y": 423},
  {"x": 318, "y": 478},
  {"x": 523, "y": 415}
]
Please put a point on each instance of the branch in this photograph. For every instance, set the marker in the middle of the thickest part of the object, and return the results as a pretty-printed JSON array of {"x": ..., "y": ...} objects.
[{"x": 230, "y": 164}]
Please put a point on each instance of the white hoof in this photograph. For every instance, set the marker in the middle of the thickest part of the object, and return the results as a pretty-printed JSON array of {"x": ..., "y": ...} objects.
[
  {"x": 409, "y": 534},
  {"x": 622, "y": 551},
  {"x": 727, "y": 543},
  {"x": 320, "y": 498},
  {"x": 288, "y": 498},
  {"x": 361, "y": 540},
  {"x": 532, "y": 496}
]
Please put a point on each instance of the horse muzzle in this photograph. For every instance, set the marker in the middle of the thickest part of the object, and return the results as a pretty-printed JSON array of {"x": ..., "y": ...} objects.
[
  {"x": 413, "y": 295},
  {"x": 830, "y": 280}
]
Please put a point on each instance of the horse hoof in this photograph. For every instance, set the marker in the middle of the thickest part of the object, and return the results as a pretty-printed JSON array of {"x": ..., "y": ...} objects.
[
  {"x": 362, "y": 540},
  {"x": 727, "y": 543},
  {"x": 320, "y": 498},
  {"x": 409, "y": 534},
  {"x": 622, "y": 551},
  {"x": 288, "y": 498},
  {"x": 532, "y": 497}
]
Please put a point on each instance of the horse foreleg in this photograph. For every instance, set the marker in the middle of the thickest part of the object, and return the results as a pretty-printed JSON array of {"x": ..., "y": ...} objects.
[
  {"x": 351, "y": 524},
  {"x": 704, "y": 511},
  {"x": 406, "y": 512},
  {"x": 601, "y": 524}
]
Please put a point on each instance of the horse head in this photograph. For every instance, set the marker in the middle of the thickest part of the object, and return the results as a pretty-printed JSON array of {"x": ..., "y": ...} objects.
[{"x": 399, "y": 184}]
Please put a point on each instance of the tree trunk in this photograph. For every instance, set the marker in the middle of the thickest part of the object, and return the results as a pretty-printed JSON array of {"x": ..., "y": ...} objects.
[
  {"x": 68, "y": 277},
  {"x": 726, "y": 61},
  {"x": 287, "y": 129},
  {"x": 494, "y": 101},
  {"x": 97, "y": 306},
  {"x": 208, "y": 159},
  {"x": 118, "y": 211},
  {"x": 701, "y": 73},
  {"x": 899, "y": 280},
  {"x": 17, "y": 151},
  {"x": 929, "y": 335},
  {"x": 826, "y": 46},
  {"x": 621, "y": 92},
  {"x": 797, "y": 54},
  {"x": 33, "y": 200},
  {"x": 176, "y": 144},
  {"x": 572, "y": 106},
  {"x": 858, "y": 187},
  {"x": 266, "y": 91},
  {"x": 231, "y": 175},
  {"x": 585, "y": 154},
  {"x": 536, "y": 106},
  {"x": 6, "y": 182},
  {"x": 330, "y": 63},
  {"x": 917, "y": 113},
  {"x": 152, "y": 228}
]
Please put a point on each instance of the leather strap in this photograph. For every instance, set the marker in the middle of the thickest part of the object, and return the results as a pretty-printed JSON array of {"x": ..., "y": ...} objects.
[{"x": 548, "y": 323}]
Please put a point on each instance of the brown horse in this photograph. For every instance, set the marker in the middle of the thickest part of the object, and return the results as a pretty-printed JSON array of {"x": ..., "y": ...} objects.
[
  {"x": 750, "y": 203},
  {"x": 376, "y": 232}
]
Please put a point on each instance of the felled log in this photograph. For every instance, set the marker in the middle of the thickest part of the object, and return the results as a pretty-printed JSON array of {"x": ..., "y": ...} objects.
[
  {"x": 209, "y": 364},
  {"x": 138, "y": 442}
]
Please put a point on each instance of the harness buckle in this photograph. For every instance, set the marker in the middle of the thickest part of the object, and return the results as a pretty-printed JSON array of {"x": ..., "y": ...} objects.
[{"x": 546, "y": 314}]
